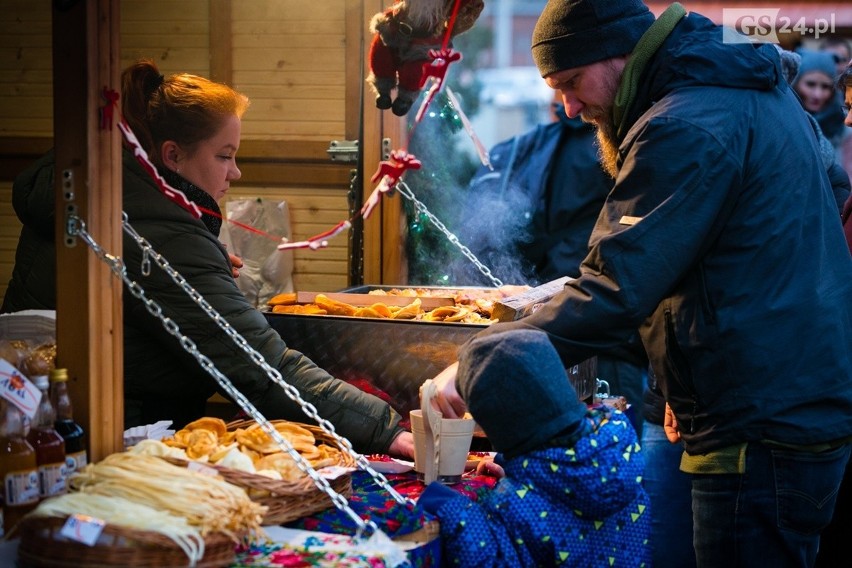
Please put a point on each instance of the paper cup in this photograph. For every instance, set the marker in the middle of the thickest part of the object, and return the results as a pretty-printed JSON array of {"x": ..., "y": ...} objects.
[{"x": 442, "y": 457}]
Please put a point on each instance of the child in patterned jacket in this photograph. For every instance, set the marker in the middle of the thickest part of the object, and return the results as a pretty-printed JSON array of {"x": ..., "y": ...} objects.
[{"x": 572, "y": 492}]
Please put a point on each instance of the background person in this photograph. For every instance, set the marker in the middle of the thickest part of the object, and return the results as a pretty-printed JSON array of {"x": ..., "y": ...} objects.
[
  {"x": 815, "y": 86},
  {"x": 190, "y": 128},
  {"x": 544, "y": 192},
  {"x": 697, "y": 247}
]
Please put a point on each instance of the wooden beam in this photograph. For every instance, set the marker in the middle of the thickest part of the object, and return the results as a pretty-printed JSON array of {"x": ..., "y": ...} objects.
[
  {"x": 221, "y": 42},
  {"x": 88, "y": 185},
  {"x": 384, "y": 231}
]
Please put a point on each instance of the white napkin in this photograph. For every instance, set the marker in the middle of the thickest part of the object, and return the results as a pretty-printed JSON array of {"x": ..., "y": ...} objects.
[{"x": 156, "y": 431}]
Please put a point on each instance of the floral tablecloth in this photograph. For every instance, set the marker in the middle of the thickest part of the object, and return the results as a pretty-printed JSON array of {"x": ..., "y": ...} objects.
[{"x": 325, "y": 539}]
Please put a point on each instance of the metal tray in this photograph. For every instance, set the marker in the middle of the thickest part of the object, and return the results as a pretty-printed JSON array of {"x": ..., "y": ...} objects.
[
  {"x": 388, "y": 358},
  {"x": 391, "y": 358}
]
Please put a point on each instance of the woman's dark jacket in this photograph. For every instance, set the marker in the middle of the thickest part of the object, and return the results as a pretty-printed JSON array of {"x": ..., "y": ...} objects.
[
  {"x": 721, "y": 239},
  {"x": 33, "y": 283},
  {"x": 162, "y": 381}
]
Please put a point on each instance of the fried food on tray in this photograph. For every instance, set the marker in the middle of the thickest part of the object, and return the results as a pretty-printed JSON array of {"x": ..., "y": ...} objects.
[
  {"x": 285, "y": 299},
  {"x": 411, "y": 311},
  {"x": 471, "y": 305},
  {"x": 334, "y": 307},
  {"x": 374, "y": 311},
  {"x": 298, "y": 309}
]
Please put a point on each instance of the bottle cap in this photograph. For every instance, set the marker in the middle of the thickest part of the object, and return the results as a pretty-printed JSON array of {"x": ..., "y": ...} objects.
[
  {"x": 41, "y": 381},
  {"x": 58, "y": 375}
]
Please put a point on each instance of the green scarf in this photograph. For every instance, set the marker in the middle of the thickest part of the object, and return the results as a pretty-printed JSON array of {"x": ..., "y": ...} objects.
[{"x": 647, "y": 46}]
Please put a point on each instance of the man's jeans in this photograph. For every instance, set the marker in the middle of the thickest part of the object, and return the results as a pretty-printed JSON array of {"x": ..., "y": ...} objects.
[
  {"x": 771, "y": 515},
  {"x": 671, "y": 501}
]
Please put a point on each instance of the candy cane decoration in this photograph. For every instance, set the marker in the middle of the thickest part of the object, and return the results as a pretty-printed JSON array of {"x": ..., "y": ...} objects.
[{"x": 317, "y": 241}]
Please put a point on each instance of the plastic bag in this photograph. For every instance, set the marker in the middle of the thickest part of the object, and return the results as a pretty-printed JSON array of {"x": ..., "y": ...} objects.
[{"x": 266, "y": 270}]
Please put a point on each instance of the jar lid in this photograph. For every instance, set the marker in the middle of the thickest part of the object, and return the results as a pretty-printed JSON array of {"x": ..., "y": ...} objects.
[{"x": 58, "y": 375}]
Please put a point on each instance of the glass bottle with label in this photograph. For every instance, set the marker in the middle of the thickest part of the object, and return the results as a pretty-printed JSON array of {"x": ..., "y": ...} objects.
[
  {"x": 18, "y": 469},
  {"x": 71, "y": 432},
  {"x": 48, "y": 444}
]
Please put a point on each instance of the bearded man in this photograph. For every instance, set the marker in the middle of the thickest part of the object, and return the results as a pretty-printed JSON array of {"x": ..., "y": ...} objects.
[{"x": 720, "y": 241}]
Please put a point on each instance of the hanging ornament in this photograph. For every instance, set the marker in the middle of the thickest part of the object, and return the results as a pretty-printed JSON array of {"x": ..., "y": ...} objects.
[{"x": 404, "y": 35}]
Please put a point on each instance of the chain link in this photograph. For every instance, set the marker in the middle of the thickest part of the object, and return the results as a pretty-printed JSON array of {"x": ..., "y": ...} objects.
[
  {"x": 406, "y": 192},
  {"x": 77, "y": 227}
]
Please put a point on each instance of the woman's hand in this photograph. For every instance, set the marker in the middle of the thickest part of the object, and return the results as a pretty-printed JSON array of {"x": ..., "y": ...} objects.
[
  {"x": 236, "y": 264},
  {"x": 447, "y": 400},
  {"x": 402, "y": 446},
  {"x": 670, "y": 426}
]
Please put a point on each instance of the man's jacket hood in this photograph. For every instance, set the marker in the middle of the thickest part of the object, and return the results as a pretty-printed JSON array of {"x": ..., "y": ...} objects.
[{"x": 693, "y": 56}]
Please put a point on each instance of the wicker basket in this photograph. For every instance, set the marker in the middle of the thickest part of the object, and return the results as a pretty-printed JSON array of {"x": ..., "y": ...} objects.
[
  {"x": 43, "y": 546},
  {"x": 286, "y": 500}
]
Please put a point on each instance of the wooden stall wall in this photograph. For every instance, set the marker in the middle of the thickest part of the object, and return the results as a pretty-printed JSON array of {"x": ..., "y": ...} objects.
[
  {"x": 26, "y": 107},
  {"x": 299, "y": 61}
]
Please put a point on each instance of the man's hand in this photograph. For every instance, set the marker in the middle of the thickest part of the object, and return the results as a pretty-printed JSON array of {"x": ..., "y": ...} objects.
[
  {"x": 447, "y": 400},
  {"x": 670, "y": 426},
  {"x": 402, "y": 446}
]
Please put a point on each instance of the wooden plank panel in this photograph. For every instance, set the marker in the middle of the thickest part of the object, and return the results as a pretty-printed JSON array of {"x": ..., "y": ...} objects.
[
  {"x": 184, "y": 60},
  {"x": 284, "y": 150},
  {"x": 26, "y": 91},
  {"x": 300, "y": 130},
  {"x": 299, "y": 11},
  {"x": 319, "y": 282},
  {"x": 41, "y": 77},
  {"x": 196, "y": 40},
  {"x": 278, "y": 78},
  {"x": 25, "y": 126},
  {"x": 288, "y": 32},
  {"x": 28, "y": 106},
  {"x": 23, "y": 41},
  {"x": 312, "y": 265},
  {"x": 319, "y": 60},
  {"x": 278, "y": 109},
  {"x": 159, "y": 11},
  {"x": 301, "y": 93},
  {"x": 163, "y": 30},
  {"x": 297, "y": 174},
  {"x": 291, "y": 42},
  {"x": 34, "y": 57}
]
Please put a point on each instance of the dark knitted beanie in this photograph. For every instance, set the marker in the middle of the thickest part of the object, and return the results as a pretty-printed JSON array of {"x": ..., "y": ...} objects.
[
  {"x": 517, "y": 390},
  {"x": 573, "y": 33}
]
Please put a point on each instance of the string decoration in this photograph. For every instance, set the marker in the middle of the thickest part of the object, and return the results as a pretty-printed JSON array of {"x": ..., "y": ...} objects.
[{"x": 388, "y": 175}]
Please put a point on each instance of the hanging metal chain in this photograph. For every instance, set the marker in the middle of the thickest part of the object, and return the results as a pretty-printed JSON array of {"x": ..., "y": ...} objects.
[
  {"x": 406, "y": 192},
  {"x": 77, "y": 227}
]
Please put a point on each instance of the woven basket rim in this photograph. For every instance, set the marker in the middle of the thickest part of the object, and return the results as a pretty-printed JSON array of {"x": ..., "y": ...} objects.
[
  {"x": 41, "y": 544},
  {"x": 285, "y": 500}
]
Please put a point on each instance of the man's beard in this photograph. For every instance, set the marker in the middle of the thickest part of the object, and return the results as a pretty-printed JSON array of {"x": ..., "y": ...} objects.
[
  {"x": 608, "y": 146},
  {"x": 601, "y": 117},
  {"x": 605, "y": 133}
]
